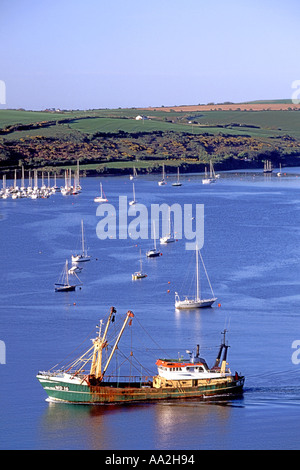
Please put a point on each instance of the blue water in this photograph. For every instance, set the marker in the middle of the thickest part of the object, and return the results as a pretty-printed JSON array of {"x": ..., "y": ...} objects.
[{"x": 252, "y": 253}]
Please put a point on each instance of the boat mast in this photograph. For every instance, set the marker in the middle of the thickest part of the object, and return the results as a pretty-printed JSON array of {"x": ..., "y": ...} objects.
[
  {"x": 128, "y": 315},
  {"x": 154, "y": 234},
  {"x": 82, "y": 237},
  {"x": 197, "y": 274},
  {"x": 99, "y": 344},
  {"x": 67, "y": 274}
]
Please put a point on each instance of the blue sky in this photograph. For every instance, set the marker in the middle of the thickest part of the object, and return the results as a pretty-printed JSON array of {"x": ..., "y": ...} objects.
[{"x": 75, "y": 54}]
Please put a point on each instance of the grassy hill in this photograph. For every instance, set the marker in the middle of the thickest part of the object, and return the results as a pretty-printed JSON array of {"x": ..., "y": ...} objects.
[{"x": 186, "y": 136}]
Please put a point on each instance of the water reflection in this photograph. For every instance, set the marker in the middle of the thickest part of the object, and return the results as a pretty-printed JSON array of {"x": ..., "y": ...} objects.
[{"x": 173, "y": 425}]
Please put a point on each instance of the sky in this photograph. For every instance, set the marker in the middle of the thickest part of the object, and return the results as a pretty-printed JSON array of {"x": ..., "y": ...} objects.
[{"x": 86, "y": 54}]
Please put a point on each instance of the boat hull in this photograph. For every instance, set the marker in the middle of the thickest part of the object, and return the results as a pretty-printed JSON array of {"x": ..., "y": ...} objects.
[
  {"x": 152, "y": 254},
  {"x": 129, "y": 393},
  {"x": 138, "y": 276},
  {"x": 65, "y": 288},
  {"x": 189, "y": 304},
  {"x": 80, "y": 259}
]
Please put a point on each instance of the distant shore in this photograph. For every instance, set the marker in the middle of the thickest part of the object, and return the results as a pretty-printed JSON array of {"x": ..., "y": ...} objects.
[
  {"x": 227, "y": 165},
  {"x": 230, "y": 164}
]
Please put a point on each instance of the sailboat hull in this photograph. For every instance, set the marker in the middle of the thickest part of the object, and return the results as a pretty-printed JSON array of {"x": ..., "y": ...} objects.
[
  {"x": 167, "y": 239},
  {"x": 130, "y": 392},
  {"x": 100, "y": 199},
  {"x": 80, "y": 259},
  {"x": 65, "y": 288},
  {"x": 208, "y": 181},
  {"x": 152, "y": 254},
  {"x": 188, "y": 304}
]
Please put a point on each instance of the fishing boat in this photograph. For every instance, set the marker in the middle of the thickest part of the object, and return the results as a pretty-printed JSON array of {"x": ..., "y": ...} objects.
[
  {"x": 102, "y": 197},
  {"x": 212, "y": 177},
  {"x": 168, "y": 238},
  {"x": 162, "y": 182},
  {"x": 134, "y": 201},
  {"x": 153, "y": 252},
  {"x": 177, "y": 183},
  {"x": 139, "y": 274},
  {"x": 83, "y": 256},
  {"x": 196, "y": 301},
  {"x": 64, "y": 285},
  {"x": 87, "y": 380},
  {"x": 268, "y": 166}
]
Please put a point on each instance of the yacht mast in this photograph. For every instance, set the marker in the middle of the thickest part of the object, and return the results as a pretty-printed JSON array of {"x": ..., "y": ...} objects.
[{"x": 197, "y": 274}]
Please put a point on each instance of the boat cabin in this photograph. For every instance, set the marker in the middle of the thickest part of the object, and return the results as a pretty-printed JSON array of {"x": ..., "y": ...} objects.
[{"x": 174, "y": 369}]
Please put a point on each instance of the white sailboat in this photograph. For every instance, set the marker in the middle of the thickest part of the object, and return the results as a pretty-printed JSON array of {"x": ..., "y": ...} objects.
[
  {"x": 162, "y": 181},
  {"x": 83, "y": 256},
  {"x": 197, "y": 301},
  {"x": 177, "y": 183},
  {"x": 212, "y": 177},
  {"x": 279, "y": 172},
  {"x": 64, "y": 285},
  {"x": 134, "y": 201},
  {"x": 168, "y": 238},
  {"x": 102, "y": 197},
  {"x": 153, "y": 253},
  {"x": 139, "y": 274},
  {"x": 134, "y": 175}
]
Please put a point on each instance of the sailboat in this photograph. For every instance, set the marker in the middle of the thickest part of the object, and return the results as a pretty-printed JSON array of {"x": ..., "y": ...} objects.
[
  {"x": 279, "y": 172},
  {"x": 64, "y": 285},
  {"x": 153, "y": 252},
  {"x": 212, "y": 177},
  {"x": 162, "y": 181},
  {"x": 134, "y": 201},
  {"x": 134, "y": 175},
  {"x": 268, "y": 166},
  {"x": 168, "y": 238},
  {"x": 55, "y": 187},
  {"x": 79, "y": 258},
  {"x": 139, "y": 274},
  {"x": 177, "y": 183},
  {"x": 102, "y": 197},
  {"x": 196, "y": 302}
]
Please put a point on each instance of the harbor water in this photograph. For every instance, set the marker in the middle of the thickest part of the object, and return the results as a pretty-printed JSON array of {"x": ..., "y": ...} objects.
[{"x": 251, "y": 252}]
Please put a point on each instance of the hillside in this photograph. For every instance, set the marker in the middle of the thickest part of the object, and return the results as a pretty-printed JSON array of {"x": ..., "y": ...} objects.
[{"x": 113, "y": 140}]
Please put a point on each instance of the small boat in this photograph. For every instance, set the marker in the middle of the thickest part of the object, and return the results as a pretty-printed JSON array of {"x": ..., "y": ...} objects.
[
  {"x": 212, "y": 177},
  {"x": 64, "y": 285},
  {"x": 134, "y": 175},
  {"x": 139, "y": 274},
  {"x": 177, "y": 183},
  {"x": 88, "y": 380},
  {"x": 279, "y": 172},
  {"x": 268, "y": 166},
  {"x": 168, "y": 238},
  {"x": 197, "y": 301},
  {"x": 134, "y": 201},
  {"x": 153, "y": 253},
  {"x": 83, "y": 256},
  {"x": 162, "y": 182},
  {"x": 102, "y": 197}
]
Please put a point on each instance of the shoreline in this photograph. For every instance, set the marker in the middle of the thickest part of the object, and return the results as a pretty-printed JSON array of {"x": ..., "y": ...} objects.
[{"x": 120, "y": 168}]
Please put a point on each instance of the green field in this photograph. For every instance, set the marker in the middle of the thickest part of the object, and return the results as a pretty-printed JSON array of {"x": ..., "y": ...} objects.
[
  {"x": 268, "y": 123},
  {"x": 113, "y": 138}
]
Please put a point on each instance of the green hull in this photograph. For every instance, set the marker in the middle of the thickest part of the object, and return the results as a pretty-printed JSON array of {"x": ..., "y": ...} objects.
[{"x": 130, "y": 393}]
